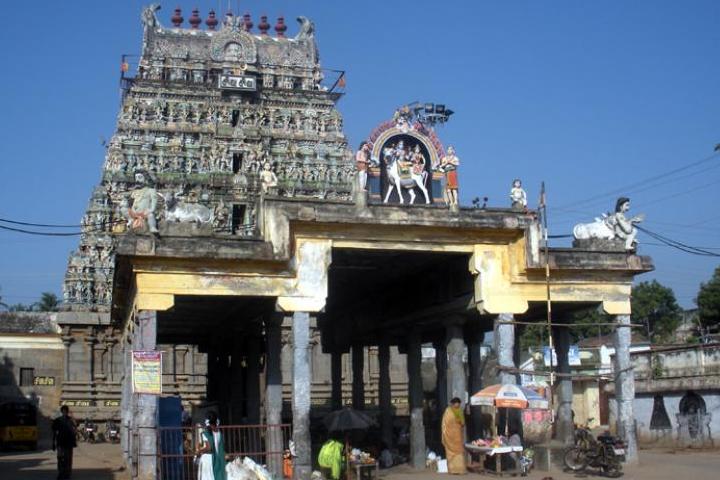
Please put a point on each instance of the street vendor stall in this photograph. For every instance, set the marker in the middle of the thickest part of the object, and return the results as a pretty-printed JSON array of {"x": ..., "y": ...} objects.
[{"x": 507, "y": 397}]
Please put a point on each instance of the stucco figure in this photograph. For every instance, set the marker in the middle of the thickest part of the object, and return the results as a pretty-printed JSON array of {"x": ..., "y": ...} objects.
[
  {"x": 141, "y": 209},
  {"x": 623, "y": 226},
  {"x": 268, "y": 178},
  {"x": 401, "y": 176},
  {"x": 361, "y": 163},
  {"x": 518, "y": 197},
  {"x": 182, "y": 212},
  {"x": 612, "y": 226},
  {"x": 448, "y": 165}
]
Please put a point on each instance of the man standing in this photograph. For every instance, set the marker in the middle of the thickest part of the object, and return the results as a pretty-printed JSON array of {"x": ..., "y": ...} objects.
[
  {"x": 362, "y": 160},
  {"x": 63, "y": 442}
]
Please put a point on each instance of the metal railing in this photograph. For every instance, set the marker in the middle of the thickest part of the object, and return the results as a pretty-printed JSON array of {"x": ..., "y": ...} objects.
[{"x": 176, "y": 448}]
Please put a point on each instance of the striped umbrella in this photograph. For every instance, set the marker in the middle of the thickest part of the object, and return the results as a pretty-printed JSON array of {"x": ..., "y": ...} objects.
[{"x": 509, "y": 396}]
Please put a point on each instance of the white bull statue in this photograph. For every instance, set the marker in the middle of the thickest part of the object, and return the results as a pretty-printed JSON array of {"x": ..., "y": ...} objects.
[
  {"x": 182, "y": 212},
  {"x": 600, "y": 228}
]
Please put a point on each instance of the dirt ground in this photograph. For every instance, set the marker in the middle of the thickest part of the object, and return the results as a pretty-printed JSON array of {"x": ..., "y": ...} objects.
[{"x": 102, "y": 462}]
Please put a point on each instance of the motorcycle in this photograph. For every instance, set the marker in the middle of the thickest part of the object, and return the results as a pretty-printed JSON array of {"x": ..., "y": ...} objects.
[
  {"x": 87, "y": 431},
  {"x": 112, "y": 433},
  {"x": 603, "y": 453}
]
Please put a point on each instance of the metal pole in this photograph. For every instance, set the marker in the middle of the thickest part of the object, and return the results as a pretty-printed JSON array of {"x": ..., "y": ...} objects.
[{"x": 547, "y": 290}]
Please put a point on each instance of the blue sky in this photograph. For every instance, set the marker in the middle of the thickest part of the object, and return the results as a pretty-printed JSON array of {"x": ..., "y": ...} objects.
[{"x": 588, "y": 96}]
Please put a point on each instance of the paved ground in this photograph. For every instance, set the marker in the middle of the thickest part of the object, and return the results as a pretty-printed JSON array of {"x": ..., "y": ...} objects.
[
  {"x": 90, "y": 462},
  {"x": 102, "y": 461}
]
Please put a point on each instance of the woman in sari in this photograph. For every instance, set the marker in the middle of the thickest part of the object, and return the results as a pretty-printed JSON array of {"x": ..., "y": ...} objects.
[
  {"x": 211, "y": 451},
  {"x": 453, "y": 426}
]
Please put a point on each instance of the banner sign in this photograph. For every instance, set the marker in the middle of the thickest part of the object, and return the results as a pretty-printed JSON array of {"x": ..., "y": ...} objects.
[
  {"x": 573, "y": 356},
  {"x": 147, "y": 372}
]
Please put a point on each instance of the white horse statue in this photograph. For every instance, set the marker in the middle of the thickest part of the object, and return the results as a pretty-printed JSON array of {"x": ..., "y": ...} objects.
[{"x": 396, "y": 181}]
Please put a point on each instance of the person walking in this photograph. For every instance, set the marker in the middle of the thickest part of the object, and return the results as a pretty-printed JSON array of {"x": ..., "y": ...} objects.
[
  {"x": 63, "y": 442},
  {"x": 453, "y": 426},
  {"x": 211, "y": 451}
]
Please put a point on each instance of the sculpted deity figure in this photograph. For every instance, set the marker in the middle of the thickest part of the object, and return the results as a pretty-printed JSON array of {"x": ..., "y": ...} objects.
[
  {"x": 612, "y": 226},
  {"x": 418, "y": 160},
  {"x": 362, "y": 159},
  {"x": 518, "y": 197},
  {"x": 448, "y": 165},
  {"x": 623, "y": 226},
  {"x": 268, "y": 179},
  {"x": 143, "y": 205}
]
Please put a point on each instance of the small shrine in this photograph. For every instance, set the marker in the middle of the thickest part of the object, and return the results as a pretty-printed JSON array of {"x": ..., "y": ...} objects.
[{"x": 404, "y": 161}]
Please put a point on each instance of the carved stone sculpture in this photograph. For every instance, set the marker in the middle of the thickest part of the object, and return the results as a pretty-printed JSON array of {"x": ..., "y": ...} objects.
[
  {"x": 141, "y": 212},
  {"x": 612, "y": 226},
  {"x": 518, "y": 197}
]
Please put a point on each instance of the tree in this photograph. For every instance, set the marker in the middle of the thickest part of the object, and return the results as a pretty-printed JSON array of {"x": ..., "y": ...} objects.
[
  {"x": 48, "y": 302},
  {"x": 655, "y": 306},
  {"x": 708, "y": 302},
  {"x": 20, "y": 307},
  {"x": 3, "y": 304}
]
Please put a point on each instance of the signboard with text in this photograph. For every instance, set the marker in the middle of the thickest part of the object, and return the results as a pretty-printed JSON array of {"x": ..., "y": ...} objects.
[
  {"x": 237, "y": 82},
  {"x": 147, "y": 372}
]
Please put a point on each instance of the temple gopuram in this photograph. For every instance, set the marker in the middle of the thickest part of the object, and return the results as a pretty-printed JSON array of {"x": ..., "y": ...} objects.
[{"x": 283, "y": 274}]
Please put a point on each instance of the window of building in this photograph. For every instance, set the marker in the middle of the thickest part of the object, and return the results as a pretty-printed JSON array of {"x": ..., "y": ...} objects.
[
  {"x": 27, "y": 376},
  {"x": 238, "y": 219},
  {"x": 237, "y": 162},
  {"x": 235, "y": 117}
]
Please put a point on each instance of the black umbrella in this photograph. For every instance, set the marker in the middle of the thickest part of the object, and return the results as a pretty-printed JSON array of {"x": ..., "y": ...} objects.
[{"x": 346, "y": 420}]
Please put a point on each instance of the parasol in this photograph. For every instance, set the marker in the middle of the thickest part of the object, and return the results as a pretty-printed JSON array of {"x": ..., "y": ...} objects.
[
  {"x": 509, "y": 396},
  {"x": 347, "y": 419}
]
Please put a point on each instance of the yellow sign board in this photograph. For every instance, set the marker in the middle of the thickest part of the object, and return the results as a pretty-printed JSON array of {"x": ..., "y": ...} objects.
[{"x": 147, "y": 372}]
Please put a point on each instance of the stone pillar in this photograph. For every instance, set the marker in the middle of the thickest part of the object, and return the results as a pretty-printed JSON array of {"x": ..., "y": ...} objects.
[
  {"x": 273, "y": 395},
  {"x": 505, "y": 351},
  {"x": 90, "y": 340},
  {"x": 504, "y": 347},
  {"x": 358, "y": 369},
  {"x": 565, "y": 428},
  {"x": 476, "y": 365},
  {"x": 145, "y": 415},
  {"x": 625, "y": 387},
  {"x": 67, "y": 340},
  {"x": 336, "y": 399},
  {"x": 252, "y": 380},
  {"x": 455, "y": 349},
  {"x": 125, "y": 399},
  {"x": 301, "y": 395},
  {"x": 385, "y": 393},
  {"x": 441, "y": 384},
  {"x": 415, "y": 396}
]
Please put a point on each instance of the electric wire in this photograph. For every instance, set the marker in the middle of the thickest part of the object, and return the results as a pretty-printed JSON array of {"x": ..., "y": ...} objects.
[
  {"x": 47, "y": 225},
  {"x": 644, "y": 182}
]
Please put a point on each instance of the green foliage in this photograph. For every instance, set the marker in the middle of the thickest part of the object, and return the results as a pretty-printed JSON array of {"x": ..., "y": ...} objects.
[
  {"x": 655, "y": 306},
  {"x": 534, "y": 336},
  {"x": 48, "y": 302},
  {"x": 708, "y": 302}
]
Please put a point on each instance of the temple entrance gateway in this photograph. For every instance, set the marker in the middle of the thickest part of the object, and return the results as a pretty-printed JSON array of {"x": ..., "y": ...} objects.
[
  {"x": 393, "y": 278},
  {"x": 284, "y": 276}
]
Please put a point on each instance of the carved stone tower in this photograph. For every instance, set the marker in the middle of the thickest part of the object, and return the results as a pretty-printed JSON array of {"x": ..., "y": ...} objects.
[{"x": 211, "y": 123}]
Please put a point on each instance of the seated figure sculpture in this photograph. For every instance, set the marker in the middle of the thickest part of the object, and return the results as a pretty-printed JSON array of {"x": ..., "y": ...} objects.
[{"x": 612, "y": 226}]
